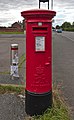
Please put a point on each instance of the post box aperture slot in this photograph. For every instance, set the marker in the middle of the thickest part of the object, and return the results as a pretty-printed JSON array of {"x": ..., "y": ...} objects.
[
  {"x": 39, "y": 28},
  {"x": 39, "y": 43}
]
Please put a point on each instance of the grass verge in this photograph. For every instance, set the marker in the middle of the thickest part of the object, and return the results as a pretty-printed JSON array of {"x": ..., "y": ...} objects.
[
  {"x": 21, "y": 60},
  {"x": 18, "y": 89},
  {"x": 11, "y": 32},
  {"x": 59, "y": 111}
]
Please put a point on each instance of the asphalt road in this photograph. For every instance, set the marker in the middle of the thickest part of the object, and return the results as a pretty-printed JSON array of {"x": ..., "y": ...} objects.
[
  {"x": 63, "y": 65},
  {"x": 5, "y": 50}
]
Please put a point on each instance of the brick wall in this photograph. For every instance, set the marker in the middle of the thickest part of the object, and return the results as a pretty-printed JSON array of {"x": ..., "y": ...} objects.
[{"x": 10, "y": 30}]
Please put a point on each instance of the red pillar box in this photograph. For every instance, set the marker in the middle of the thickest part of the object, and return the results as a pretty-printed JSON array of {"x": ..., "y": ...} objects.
[{"x": 38, "y": 60}]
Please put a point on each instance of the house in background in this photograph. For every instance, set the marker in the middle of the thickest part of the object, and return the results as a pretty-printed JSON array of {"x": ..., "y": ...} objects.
[{"x": 17, "y": 25}]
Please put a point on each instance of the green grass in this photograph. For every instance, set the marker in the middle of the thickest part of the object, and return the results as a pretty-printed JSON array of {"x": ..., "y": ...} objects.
[
  {"x": 11, "y": 32},
  {"x": 11, "y": 88},
  {"x": 21, "y": 60},
  {"x": 59, "y": 111}
]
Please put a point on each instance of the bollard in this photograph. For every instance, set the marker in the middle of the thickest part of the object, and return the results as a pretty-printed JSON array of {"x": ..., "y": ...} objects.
[{"x": 14, "y": 61}]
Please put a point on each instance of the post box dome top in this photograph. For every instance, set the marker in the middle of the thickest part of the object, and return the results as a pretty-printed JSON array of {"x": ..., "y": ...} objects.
[{"x": 38, "y": 14}]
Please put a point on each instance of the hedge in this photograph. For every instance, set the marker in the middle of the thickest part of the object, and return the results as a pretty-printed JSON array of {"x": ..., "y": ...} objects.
[{"x": 69, "y": 29}]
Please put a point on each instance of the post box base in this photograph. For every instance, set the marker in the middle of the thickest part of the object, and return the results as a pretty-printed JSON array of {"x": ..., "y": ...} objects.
[{"x": 36, "y": 104}]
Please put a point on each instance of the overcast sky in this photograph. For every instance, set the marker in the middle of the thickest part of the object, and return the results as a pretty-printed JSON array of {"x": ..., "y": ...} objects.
[{"x": 10, "y": 10}]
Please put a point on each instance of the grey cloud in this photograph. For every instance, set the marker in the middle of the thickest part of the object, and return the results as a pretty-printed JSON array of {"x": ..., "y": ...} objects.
[
  {"x": 19, "y": 3},
  {"x": 64, "y": 3},
  {"x": 4, "y": 20},
  {"x": 4, "y": 7},
  {"x": 7, "y": 4}
]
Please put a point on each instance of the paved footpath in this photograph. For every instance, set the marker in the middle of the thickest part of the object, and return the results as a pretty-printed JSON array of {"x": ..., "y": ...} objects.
[{"x": 12, "y": 107}]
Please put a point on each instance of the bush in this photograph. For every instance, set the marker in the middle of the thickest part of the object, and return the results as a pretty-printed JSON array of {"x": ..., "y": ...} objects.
[{"x": 69, "y": 29}]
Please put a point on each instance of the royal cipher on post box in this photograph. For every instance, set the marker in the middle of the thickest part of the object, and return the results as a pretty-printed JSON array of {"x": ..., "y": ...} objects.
[{"x": 38, "y": 60}]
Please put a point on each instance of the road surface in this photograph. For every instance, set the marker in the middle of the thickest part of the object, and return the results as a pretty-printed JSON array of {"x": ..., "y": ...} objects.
[
  {"x": 5, "y": 49},
  {"x": 63, "y": 65}
]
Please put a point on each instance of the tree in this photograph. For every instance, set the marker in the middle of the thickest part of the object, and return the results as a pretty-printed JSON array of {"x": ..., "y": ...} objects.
[
  {"x": 66, "y": 25},
  {"x": 73, "y": 24},
  {"x": 57, "y": 27}
]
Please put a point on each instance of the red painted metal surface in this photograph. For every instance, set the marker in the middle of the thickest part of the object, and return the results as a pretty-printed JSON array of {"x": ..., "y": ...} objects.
[
  {"x": 14, "y": 48},
  {"x": 38, "y": 53}
]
